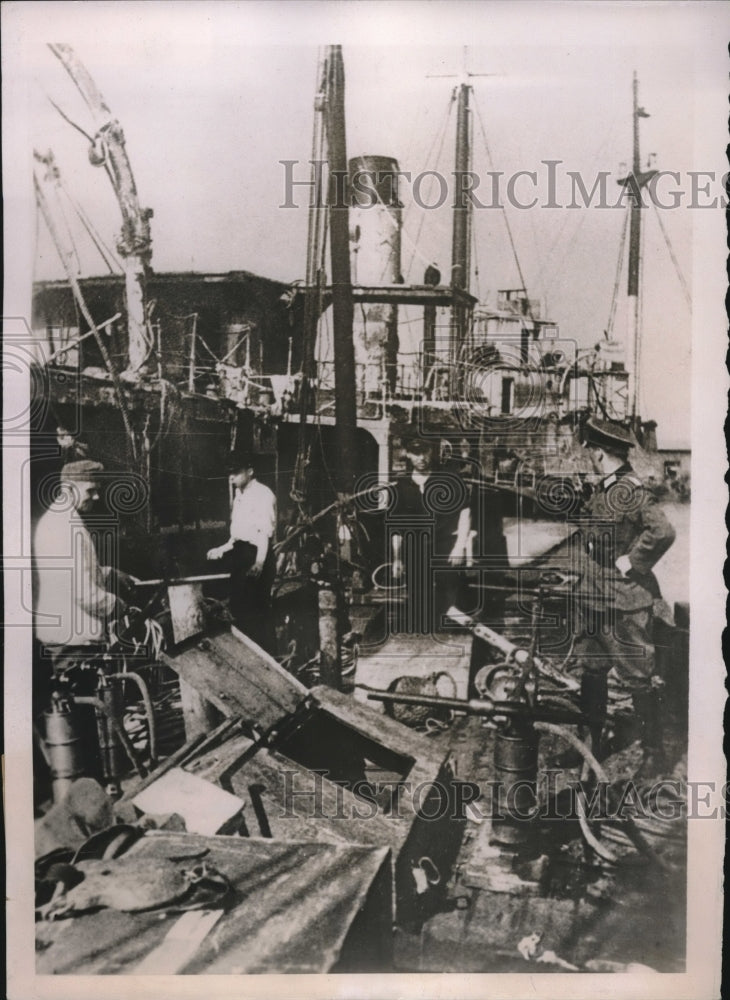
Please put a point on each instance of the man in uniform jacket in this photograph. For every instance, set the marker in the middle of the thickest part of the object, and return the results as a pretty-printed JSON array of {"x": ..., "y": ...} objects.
[{"x": 622, "y": 538}]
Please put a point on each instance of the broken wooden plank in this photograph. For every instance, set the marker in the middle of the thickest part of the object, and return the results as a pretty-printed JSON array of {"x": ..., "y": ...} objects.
[
  {"x": 298, "y": 908},
  {"x": 238, "y": 678}
]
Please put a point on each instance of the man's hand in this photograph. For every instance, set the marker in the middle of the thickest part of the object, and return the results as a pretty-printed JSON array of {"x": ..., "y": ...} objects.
[
  {"x": 119, "y": 583},
  {"x": 118, "y": 576},
  {"x": 216, "y": 553},
  {"x": 623, "y": 565},
  {"x": 126, "y": 580},
  {"x": 256, "y": 569}
]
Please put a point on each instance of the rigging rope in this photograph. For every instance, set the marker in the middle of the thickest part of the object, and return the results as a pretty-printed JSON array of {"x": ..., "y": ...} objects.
[
  {"x": 78, "y": 296},
  {"x": 92, "y": 231},
  {"x": 452, "y": 101},
  {"x": 70, "y": 121},
  {"x": 523, "y": 283},
  {"x": 567, "y": 216},
  {"x": 683, "y": 283},
  {"x": 93, "y": 234},
  {"x": 617, "y": 279},
  {"x": 73, "y": 251}
]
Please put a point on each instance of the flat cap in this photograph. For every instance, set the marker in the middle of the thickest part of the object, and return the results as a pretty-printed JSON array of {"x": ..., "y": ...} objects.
[
  {"x": 607, "y": 433},
  {"x": 418, "y": 445},
  {"x": 84, "y": 471}
]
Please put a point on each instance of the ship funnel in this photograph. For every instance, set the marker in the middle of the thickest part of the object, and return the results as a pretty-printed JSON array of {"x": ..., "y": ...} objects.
[{"x": 375, "y": 254}]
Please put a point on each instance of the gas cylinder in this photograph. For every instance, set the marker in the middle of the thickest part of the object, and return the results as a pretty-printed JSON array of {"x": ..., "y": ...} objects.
[
  {"x": 64, "y": 744},
  {"x": 515, "y": 763},
  {"x": 113, "y": 757}
]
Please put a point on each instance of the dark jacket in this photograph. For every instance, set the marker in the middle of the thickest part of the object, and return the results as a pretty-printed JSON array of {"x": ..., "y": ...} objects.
[
  {"x": 435, "y": 510},
  {"x": 624, "y": 519}
]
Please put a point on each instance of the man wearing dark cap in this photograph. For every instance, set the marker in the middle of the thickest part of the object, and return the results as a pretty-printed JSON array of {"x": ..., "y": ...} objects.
[
  {"x": 249, "y": 552},
  {"x": 625, "y": 536},
  {"x": 74, "y": 604}
]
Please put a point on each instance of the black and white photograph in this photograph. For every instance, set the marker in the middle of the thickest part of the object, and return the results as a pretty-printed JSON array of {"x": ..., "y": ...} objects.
[{"x": 364, "y": 390}]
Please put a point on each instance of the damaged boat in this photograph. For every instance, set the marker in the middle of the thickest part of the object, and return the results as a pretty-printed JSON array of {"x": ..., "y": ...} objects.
[{"x": 207, "y": 807}]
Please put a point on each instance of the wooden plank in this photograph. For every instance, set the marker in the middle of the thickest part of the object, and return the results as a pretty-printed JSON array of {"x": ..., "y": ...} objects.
[
  {"x": 199, "y": 715},
  {"x": 415, "y": 820},
  {"x": 286, "y": 801},
  {"x": 296, "y": 909},
  {"x": 238, "y": 678},
  {"x": 180, "y": 944},
  {"x": 377, "y": 726}
]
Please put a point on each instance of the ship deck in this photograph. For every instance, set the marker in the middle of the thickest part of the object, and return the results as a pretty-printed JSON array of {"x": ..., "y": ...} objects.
[{"x": 549, "y": 904}]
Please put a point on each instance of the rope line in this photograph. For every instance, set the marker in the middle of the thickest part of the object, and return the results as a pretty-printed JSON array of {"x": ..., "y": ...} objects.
[
  {"x": 70, "y": 121},
  {"x": 415, "y": 243},
  {"x": 617, "y": 279},
  {"x": 523, "y": 283},
  {"x": 682, "y": 281}
]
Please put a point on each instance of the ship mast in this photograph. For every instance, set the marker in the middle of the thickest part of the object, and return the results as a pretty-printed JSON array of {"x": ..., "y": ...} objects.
[
  {"x": 342, "y": 308},
  {"x": 462, "y": 203},
  {"x": 635, "y": 182},
  {"x": 135, "y": 243},
  {"x": 461, "y": 232}
]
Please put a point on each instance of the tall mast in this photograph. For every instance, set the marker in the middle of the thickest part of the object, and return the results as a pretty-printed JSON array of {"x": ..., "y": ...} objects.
[
  {"x": 135, "y": 243},
  {"x": 342, "y": 309},
  {"x": 635, "y": 182},
  {"x": 462, "y": 203},
  {"x": 461, "y": 237}
]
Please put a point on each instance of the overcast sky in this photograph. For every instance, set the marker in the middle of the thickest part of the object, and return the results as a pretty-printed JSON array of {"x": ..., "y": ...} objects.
[{"x": 213, "y": 97}]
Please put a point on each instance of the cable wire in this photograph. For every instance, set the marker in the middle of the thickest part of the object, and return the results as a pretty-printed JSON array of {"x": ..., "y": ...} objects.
[
  {"x": 523, "y": 283},
  {"x": 617, "y": 279},
  {"x": 452, "y": 101},
  {"x": 682, "y": 281}
]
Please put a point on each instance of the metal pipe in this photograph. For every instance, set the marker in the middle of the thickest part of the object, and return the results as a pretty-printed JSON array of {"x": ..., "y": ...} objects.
[
  {"x": 182, "y": 579},
  {"x": 631, "y": 828},
  {"x": 118, "y": 728},
  {"x": 148, "y": 707},
  {"x": 497, "y": 641},
  {"x": 75, "y": 343},
  {"x": 110, "y": 695},
  {"x": 193, "y": 336},
  {"x": 478, "y": 706}
]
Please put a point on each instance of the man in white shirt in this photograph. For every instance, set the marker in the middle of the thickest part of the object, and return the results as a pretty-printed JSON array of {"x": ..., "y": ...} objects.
[
  {"x": 74, "y": 603},
  {"x": 249, "y": 553}
]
